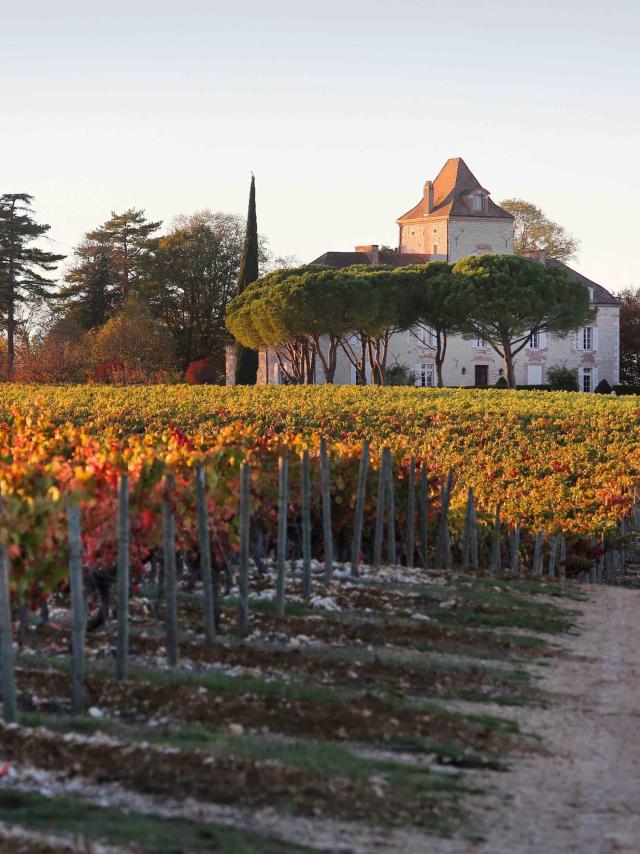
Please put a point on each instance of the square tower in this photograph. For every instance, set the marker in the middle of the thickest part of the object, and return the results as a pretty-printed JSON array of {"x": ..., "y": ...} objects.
[{"x": 455, "y": 218}]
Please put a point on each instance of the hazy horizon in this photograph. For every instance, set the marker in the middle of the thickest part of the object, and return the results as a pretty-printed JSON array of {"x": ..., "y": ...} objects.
[{"x": 341, "y": 112}]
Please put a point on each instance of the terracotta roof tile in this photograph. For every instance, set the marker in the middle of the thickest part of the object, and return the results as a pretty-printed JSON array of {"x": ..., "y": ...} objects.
[
  {"x": 450, "y": 195},
  {"x": 601, "y": 296},
  {"x": 348, "y": 259}
]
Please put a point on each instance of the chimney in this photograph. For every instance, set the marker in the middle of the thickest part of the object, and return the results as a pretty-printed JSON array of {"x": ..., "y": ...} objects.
[
  {"x": 536, "y": 255},
  {"x": 428, "y": 197},
  {"x": 372, "y": 252}
]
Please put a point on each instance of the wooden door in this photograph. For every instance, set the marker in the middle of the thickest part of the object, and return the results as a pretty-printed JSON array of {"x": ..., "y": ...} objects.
[{"x": 482, "y": 375}]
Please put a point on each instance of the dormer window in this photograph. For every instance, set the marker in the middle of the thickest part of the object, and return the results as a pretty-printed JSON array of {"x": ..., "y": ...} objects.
[{"x": 478, "y": 203}]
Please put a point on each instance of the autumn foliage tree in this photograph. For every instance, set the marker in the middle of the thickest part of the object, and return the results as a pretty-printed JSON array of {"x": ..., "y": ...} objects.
[
  {"x": 630, "y": 336},
  {"x": 135, "y": 339},
  {"x": 534, "y": 230}
]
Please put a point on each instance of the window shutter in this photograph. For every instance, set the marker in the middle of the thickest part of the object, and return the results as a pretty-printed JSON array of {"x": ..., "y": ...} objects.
[
  {"x": 594, "y": 337},
  {"x": 544, "y": 340},
  {"x": 576, "y": 339},
  {"x": 594, "y": 378},
  {"x": 418, "y": 372}
]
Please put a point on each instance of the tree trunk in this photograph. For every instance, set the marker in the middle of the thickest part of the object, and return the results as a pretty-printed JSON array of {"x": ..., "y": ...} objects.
[
  {"x": 509, "y": 370},
  {"x": 441, "y": 350},
  {"x": 11, "y": 328}
]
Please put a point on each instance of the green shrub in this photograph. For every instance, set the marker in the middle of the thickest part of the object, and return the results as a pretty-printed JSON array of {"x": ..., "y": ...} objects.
[
  {"x": 626, "y": 389},
  {"x": 399, "y": 375},
  {"x": 502, "y": 383},
  {"x": 562, "y": 378},
  {"x": 603, "y": 387}
]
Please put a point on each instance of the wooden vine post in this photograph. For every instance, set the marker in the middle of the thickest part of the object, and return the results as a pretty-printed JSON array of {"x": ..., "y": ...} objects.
[
  {"x": 243, "y": 562},
  {"x": 122, "y": 577},
  {"x": 306, "y": 526},
  {"x": 443, "y": 547},
  {"x": 170, "y": 580},
  {"x": 553, "y": 555},
  {"x": 469, "y": 520},
  {"x": 7, "y": 672},
  {"x": 380, "y": 508},
  {"x": 411, "y": 511},
  {"x": 495, "y": 543},
  {"x": 537, "y": 553},
  {"x": 424, "y": 516},
  {"x": 391, "y": 519},
  {"x": 356, "y": 542},
  {"x": 325, "y": 487},
  {"x": 78, "y": 617},
  {"x": 515, "y": 548},
  {"x": 281, "y": 545},
  {"x": 204, "y": 548}
]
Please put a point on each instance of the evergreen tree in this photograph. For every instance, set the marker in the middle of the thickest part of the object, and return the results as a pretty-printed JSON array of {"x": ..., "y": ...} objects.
[
  {"x": 247, "y": 359},
  {"x": 22, "y": 264},
  {"x": 88, "y": 295},
  {"x": 109, "y": 264},
  {"x": 128, "y": 235}
]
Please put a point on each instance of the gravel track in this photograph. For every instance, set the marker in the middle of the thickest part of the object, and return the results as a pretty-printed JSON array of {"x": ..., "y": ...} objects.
[{"x": 584, "y": 793}]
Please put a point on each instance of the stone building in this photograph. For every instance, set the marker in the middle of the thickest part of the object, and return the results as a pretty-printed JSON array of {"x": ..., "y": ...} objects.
[{"x": 456, "y": 217}]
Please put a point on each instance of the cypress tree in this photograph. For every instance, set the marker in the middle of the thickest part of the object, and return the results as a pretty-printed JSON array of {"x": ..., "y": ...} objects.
[{"x": 247, "y": 359}]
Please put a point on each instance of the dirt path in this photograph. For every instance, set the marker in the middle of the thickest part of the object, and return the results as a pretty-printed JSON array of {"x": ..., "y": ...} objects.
[{"x": 585, "y": 795}]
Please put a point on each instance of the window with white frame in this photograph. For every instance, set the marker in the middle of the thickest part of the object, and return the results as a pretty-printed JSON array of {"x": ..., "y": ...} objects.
[
  {"x": 478, "y": 203},
  {"x": 586, "y": 379},
  {"x": 427, "y": 336},
  {"x": 534, "y": 341},
  {"x": 586, "y": 338},
  {"x": 425, "y": 375},
  {"x": 424, "y": 335},
  {"x": 479, "y": 343}
]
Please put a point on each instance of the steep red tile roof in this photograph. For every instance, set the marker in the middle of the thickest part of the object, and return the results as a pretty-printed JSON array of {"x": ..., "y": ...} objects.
[{"x": 450, "y": 195}]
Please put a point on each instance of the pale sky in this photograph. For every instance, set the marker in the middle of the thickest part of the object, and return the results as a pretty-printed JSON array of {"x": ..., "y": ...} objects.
[{"x": 342, "y": 110}]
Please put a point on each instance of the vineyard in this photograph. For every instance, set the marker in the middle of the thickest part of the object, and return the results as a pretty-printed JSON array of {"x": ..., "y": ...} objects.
[{"x": 263, "y": 581}]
